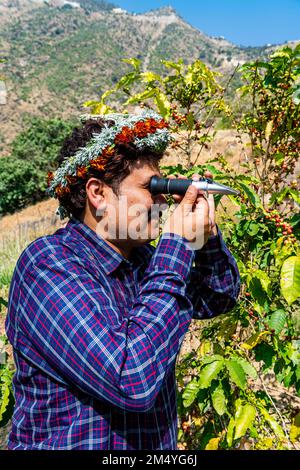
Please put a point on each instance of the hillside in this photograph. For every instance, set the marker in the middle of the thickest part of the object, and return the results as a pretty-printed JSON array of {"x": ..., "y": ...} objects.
[{"x": 59, "y": 53}]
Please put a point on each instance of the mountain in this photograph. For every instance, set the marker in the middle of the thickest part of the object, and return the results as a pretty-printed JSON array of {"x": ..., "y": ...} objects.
[{"x": 59, "y": 53}]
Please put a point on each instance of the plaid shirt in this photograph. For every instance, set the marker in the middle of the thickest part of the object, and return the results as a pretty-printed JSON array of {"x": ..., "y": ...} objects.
[{"x": 95, "y": 336}]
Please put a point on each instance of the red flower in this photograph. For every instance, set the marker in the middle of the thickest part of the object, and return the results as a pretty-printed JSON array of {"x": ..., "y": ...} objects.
[
  {"x": 50, "y": 176},
  {"x": 81, "y": 172},
  {"x": 150, "y": 126},
  {"x": 71, "y": 179},
  {"x": 108, "y": 152},
  {"x": 125, "y": 136},
  {"x": 97, "y": 164},
  {"x": 141, "y": 129},
  {"x": 61, "y": 191}
]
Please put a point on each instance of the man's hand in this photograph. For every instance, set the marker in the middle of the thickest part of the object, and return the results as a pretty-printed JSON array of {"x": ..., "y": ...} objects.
[
  {"x": 190, "y": 219},
  {"x": 211, "y": 202}
]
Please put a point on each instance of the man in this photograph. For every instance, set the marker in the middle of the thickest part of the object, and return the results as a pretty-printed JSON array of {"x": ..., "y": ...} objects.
[{"x": 97, "y": 315}]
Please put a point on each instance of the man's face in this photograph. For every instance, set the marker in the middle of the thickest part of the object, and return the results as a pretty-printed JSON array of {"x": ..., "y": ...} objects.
[{"x": 132, "y": 217}]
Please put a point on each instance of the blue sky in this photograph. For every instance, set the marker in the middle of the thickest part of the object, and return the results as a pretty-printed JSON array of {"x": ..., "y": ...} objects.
[{"x": 245, "y": 22}]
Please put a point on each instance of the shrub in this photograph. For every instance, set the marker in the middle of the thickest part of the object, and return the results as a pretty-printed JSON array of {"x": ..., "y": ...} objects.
[{"x": 34, "y": 153}]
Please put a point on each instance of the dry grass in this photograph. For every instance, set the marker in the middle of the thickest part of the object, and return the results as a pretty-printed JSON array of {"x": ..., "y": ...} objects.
[{"x": 16, "y": 233}]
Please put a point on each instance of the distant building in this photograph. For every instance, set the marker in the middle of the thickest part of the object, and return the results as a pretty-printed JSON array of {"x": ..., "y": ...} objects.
[{"x": 119, "y": 10}]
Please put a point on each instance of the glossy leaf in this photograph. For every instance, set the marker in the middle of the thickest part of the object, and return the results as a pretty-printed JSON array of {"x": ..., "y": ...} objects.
[
  {"x": 213, "y": 444},
  {"x": 210, "y": 372},
  {"x": 256, "y": 338},
  {"x": 248, "y": 368},
  {"x": 295, "y": 428},
  {"x": 251, "y": 194},
  {"x": 236, "y": 373},
  {"x": 163, "y": 104},
  {"x": 277, "y": 321},
  {"x": 244, "y": 418},
  {"x": 290, "y": 279},
  {"x": 230, "y": 431},
  {"x": 219, "y": 399},
  {"x": 274, "y": 425},
  {"x": 190, "y": 393}
]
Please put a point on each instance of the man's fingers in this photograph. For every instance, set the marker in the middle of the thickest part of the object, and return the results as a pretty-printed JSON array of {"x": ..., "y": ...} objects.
[
  {"x": 208, "y": 174},
  {"x": 189, "y": 200}
]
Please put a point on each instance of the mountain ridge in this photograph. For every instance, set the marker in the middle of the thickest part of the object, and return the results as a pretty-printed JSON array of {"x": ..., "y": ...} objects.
[{"x": 58, "y": 54}]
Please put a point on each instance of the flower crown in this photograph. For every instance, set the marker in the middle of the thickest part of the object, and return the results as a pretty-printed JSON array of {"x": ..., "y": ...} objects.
[{"x": 145, "y": 131}]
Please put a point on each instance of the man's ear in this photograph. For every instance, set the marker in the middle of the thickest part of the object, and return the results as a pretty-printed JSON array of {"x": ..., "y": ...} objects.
[{"x": 95, "y": 194}]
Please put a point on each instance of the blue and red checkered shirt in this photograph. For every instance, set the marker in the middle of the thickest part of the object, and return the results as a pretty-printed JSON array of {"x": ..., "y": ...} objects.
[{"x": 95, "y": 336}]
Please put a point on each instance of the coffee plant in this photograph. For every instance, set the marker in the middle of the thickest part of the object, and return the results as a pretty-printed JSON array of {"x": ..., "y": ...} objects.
[
  {"x": 224, "y": 397},
  {"x": 190, "y": 98},
  {"x": 273, "y": 123}
]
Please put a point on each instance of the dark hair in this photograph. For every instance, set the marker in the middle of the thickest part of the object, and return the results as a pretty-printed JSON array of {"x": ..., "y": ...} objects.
[{"x": 117, "y": 167}]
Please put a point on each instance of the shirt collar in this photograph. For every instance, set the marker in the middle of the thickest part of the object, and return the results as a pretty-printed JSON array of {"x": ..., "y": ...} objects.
[{"x": 108, "y": 258}]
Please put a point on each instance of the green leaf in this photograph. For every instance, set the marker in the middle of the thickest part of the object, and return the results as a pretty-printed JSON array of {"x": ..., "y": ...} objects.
[
  {"x": 134, "y": 62},
  {"x": 210, "y": 372},
  {"x": 213, "y": 358},
  {"x": 163, "y": 104},
  {"x": 276, "y": 428},
  {"x": 290, "y": 279},
  {"x": 279, "y": 157},
  {"x": 265, "y": 353},
  {"x": 277, "y": 320},
  {"x": 230, "y": 431},
  {"x": 97, "y": 107},
  {"x": 148, "y": 77},
  {"x": 295, "y": 195},
  {"x": 141, "y": 96},
  {"x": 172, "y": 65},
  {"x": 190, "y": 393},
  {"x": 244, "y": 418},
  {"x": 3, "y": 303},
  {"x": 126, "y": 80},
  {"x": 6, "y": 396},
  {"x": 204, "y": 349},
  {"x": 251, "y": 194},
  {"x": 264, "y": 281},
  {"x": 248, "y": 368},
  {"x": 253, "y": 229},
  {"x": 295, "y": 428},
  {"x": 203, "y": 400},
  {"x": 219, "y": 399},
  {"x": 5, "y": 393},
  {"x": 236, "y": 373},
  {"x": 213, "y": 444},
  {"x": 259, "y": 285},
  {"x": 279, "y": 196},
  {"x": 190, "y": 121}
]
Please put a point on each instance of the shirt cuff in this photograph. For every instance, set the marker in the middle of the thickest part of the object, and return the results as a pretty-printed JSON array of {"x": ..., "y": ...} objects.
[
  {"x": 173, "y": 253},
  {"x": 213, "y": 250}
]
